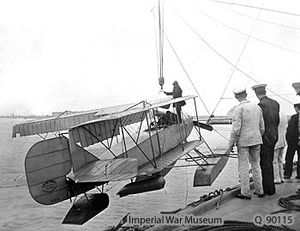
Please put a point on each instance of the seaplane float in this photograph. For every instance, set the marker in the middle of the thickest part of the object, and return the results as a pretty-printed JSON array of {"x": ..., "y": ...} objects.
[{"x": 139, "y": 143}]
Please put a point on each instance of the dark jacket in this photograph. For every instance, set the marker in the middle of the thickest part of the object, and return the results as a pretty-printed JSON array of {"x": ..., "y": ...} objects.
[
  {"x": 292, "y": 132},
  {"x": 270, "y": 110},
  {"x": 176, "y": 93}
]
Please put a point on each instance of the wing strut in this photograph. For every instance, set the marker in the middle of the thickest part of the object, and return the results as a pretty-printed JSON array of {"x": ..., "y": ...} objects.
[
  {"x": 123, "y": 128},
  {"x": 147, "y": 120},
  {"x": 92, "y": 134}
]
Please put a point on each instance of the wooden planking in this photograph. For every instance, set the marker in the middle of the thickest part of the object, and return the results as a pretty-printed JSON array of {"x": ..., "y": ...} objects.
[{"x": 107, "y": 170}]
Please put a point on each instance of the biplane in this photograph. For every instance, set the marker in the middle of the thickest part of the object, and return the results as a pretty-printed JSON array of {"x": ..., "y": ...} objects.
[{"x": 93, "y": 148}]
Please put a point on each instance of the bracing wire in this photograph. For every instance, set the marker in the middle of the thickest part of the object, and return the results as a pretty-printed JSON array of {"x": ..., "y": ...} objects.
[
  {"x": 237, "y": 62},
  {"x": 187, "y": 185},
  {"x": 256, "y": 7},
  {"x": 224, "y": 58},
  {"x": 221, "y": 134}
]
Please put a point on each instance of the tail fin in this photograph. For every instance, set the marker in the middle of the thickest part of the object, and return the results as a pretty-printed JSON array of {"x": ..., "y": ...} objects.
[{"x": 46, "y": 165}]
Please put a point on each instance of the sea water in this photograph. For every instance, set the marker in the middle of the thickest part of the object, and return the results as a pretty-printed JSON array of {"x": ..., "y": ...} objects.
[{"x": 20, "y": 212}]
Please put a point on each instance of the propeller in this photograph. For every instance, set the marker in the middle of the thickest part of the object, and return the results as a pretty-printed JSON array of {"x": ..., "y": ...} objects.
[{"x": 203, "y": 125}]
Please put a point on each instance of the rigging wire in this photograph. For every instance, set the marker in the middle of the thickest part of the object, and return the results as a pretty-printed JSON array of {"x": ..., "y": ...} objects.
[
  {"x": 245, "y": 34},
  {"x": 224, "y": 58},
  {"x": 185, "y": 71},
  {"x": 256, "y": 7},
  {"x": 260, "y": 20},
  {"x": 219, "y": 133},
  {"x": 237, "y": 62}
]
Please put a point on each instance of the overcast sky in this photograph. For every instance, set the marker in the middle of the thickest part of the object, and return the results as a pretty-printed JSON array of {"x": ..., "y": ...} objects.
[{"x": 79, "y": 55}]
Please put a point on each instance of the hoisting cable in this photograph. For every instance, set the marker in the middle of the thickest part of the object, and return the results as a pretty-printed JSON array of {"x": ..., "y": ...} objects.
[
  {"x": 161, "y": 80},
  {"x": 225, "y": 59},
  {"x": 237, "y": 62},
  {"x": 156, "y": 44},
  {"x": 185, "y": 71}
]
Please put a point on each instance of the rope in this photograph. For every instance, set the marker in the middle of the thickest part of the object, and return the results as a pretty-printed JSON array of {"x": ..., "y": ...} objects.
[
  {"x": 237, "y": 225},
  {"x": 286, "y": 202},
  {"x": 209, "y": 196}
]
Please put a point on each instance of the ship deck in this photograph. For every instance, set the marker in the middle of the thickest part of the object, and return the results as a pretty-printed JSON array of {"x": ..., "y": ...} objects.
[
  {"x": 266, "y": 207},
  {"x": 265, "y": 210}
]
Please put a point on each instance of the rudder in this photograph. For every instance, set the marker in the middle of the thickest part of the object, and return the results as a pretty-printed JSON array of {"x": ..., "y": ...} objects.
[{"x": 46, "y": 165}]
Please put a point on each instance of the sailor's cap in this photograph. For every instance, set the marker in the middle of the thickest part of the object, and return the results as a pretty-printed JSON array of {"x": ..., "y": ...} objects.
[
  {"x": 239, "y": 90},
  {"x": 259, "y": 86},
  {"x": 297, "y": 103},
  {"x": 296, "y": 86}
]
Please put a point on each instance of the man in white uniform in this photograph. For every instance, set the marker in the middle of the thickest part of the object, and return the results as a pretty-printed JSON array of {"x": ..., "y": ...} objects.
[{"x": 246, "y": 134}]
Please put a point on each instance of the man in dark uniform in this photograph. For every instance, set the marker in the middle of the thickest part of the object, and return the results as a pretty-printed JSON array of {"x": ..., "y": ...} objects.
[
  {"x": 296, "y": 86},
  {"x": 176, "y": 93},
  {"x": 270, "y": 110},
  {"x": 292, "y": 139}
]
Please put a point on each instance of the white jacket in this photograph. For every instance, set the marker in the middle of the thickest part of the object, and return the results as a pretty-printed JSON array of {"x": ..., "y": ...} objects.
[
  {"x": 281, "y": 131},
  {"x": 247, "y": 125}
]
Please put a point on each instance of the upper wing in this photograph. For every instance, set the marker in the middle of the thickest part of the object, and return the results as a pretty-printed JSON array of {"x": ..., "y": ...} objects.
[
  {"x": 168, "y": 158},
  {"x": 166, "y": 101},
  {"x": 105, "y": 127},
  {"x": 64, "y": 122}
]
